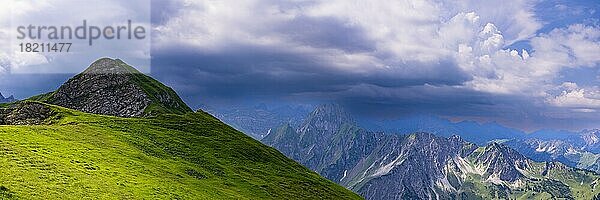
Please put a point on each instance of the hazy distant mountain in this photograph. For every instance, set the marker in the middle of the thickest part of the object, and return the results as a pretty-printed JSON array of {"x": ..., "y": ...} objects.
[
  {"x": 6, "y": 99},
  {"x": 479, "y": 133},
  {"x": 581, "y": 150},
  {"x": 258, "y": 120},
  {"x": 421, "y": 165}
]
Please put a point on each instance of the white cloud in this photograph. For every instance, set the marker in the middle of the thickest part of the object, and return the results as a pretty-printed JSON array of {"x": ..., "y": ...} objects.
[
  {"x": 52, "y": 13},
  {"x": 532, "y": 74},
  {"x": 580, "y": 99},
  {"x": 402, "y": 32},
  {"x": 20, "y": 60}
]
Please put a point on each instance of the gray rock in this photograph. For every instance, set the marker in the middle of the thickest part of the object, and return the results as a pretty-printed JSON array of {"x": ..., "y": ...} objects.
[
  {"x": 111, "y": 87},
  {"x": 25, "y": 113}
]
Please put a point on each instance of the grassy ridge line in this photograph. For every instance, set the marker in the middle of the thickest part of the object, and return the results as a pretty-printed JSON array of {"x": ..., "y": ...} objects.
[{"x": 192, "y": 156}]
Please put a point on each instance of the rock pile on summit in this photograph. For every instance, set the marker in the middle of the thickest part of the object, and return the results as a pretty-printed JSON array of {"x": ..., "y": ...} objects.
[{"x": 111, "y": 87}]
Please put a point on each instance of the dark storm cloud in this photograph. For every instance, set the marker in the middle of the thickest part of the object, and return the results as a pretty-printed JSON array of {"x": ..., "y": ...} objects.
[
  {"x": 26, "y": 85},
  {"x": 251, "y": 71},
  {"x": 326, "y": 32},
  {"x": 240, "y": 73}
]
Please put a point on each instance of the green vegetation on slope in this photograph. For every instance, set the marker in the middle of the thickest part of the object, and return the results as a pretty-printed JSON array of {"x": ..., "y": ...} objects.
[
  {"x": 192, "y": 156},
  {"x": 155, "y": 90}
]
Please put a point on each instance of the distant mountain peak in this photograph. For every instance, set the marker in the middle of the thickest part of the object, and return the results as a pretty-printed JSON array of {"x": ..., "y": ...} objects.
[
  {"x": 111, "y": 87},
  {"x": 591, "y": 137},
  {"x": 327, "y": 117},
  {"x": 9, "y": 99},
  {"x": 3, "y": 99}
]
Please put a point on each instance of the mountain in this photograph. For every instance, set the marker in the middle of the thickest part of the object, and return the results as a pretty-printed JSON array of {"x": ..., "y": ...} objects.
[
  {"x": 48, "y": 151},
  {"x": 258, "y": 120},
  {"x": 479, "y": 133},
  {"x": 111, "y": 87},
  {"x": 422, "y": 165},
  {"x": 581, "y": 150},
  {"x": 6, "y": 99}
]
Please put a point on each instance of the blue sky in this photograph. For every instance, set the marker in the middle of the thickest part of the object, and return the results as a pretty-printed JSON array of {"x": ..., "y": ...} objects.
[{"x": 526, "y": 64}]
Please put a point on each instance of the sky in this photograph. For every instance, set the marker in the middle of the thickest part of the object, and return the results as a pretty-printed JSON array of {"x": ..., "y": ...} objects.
[{"x": 525, "y": 64}]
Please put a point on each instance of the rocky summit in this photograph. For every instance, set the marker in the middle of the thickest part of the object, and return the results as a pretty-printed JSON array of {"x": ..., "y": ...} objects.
[
  {"x": 111, "y": 87},
  {"x": 25, "y": 113}
]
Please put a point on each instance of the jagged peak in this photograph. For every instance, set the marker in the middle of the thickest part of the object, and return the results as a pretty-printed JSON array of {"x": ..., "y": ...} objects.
[
  {"x": 327, "y": 117},
  {"x": 502, "y": 162},
  {"x": 497, "y": 147},
  {"x": 331, "y": 108}
]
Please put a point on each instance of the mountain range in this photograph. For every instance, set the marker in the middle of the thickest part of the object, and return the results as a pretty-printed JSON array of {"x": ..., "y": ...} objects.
[
  {"x": 114, "y": 133},
  {"x": 576, "y": 149},
  {"x": 422, "y": 165}
]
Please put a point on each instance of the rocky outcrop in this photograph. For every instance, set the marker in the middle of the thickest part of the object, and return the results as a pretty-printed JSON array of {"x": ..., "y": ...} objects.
[
  {"x": 111, "y": 87},
  {"x": 25, "y": 113}
]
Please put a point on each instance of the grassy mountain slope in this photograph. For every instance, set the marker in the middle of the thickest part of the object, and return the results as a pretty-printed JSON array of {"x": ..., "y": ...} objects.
[{"x": 192, "y": 156}]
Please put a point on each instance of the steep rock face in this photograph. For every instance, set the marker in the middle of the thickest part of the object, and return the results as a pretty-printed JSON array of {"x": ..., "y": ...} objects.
[
  {"x": 111, "y": 87},
  {"x": 327, "y": 141},
  {"x": 326, "y": 118},
  {"x": 416, "y": 172},
  {"x": 502, "y": 162}
]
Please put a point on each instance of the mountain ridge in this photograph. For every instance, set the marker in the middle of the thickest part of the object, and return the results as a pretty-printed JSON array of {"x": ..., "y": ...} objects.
[{"x": 423, "y": 165}]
